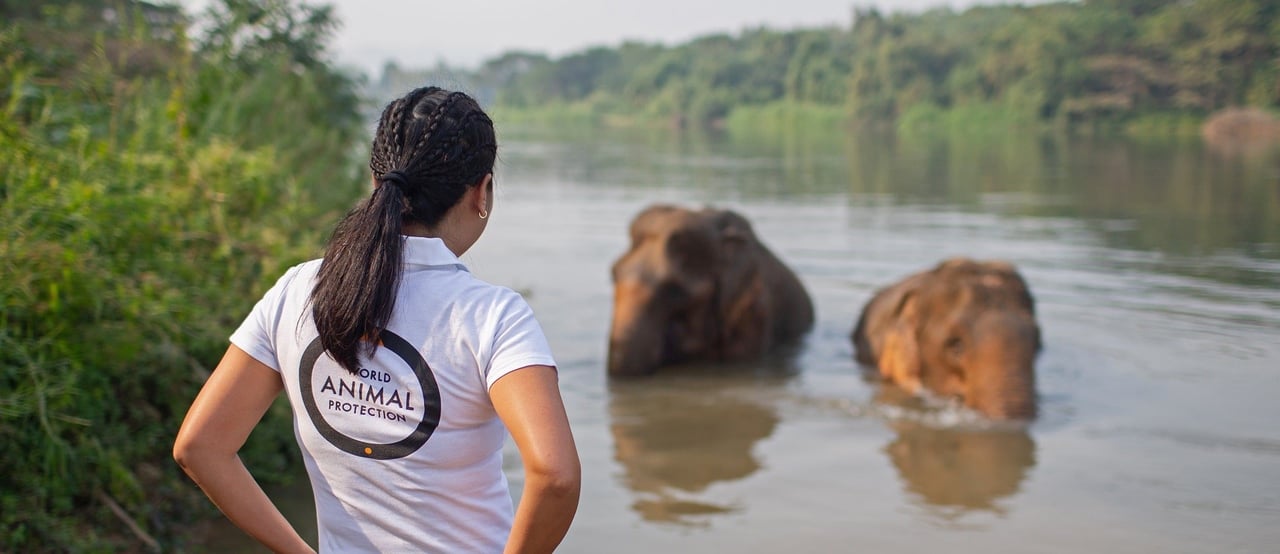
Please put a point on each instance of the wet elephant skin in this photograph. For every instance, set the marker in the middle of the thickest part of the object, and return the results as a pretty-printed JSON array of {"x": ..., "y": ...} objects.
[
  {"x": 699, "y": 285},
  {"x": 965, "y": 329}
]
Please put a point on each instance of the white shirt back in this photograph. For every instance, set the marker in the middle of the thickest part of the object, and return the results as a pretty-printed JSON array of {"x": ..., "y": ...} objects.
[{"x": 406, "y": 455}]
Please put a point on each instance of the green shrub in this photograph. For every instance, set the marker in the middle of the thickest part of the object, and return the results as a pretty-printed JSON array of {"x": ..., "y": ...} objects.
[{"x": 143, "y": 208}]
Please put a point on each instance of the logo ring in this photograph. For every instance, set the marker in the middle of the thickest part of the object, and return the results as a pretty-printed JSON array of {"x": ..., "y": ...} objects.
[{"x": 377, "y": 451}]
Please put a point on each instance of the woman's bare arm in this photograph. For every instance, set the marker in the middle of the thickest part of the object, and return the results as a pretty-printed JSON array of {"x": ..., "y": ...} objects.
[
  {"x": 219, "y": 421},
  {"x": 528, "y": 401}
]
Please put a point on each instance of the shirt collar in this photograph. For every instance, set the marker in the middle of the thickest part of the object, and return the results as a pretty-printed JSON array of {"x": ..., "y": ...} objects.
[{"x": 429, "y": 252}]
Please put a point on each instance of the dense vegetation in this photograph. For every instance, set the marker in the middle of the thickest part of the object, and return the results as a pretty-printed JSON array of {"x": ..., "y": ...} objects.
[
  {"x": 1146, "y": 64},
  {"x": 154, "y": 183}
]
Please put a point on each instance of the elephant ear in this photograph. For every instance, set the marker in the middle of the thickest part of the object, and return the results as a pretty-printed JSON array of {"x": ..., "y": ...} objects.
[
  {"x": 740, "y": 290},
  {"x": 899, "y": 355},
  {"x": 879, "y": 315}
]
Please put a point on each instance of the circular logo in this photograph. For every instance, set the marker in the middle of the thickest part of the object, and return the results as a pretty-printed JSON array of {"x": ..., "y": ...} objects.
[{"x": 388, "y": 451}]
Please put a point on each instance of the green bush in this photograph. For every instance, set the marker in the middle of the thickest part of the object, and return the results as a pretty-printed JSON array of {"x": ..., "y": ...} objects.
[
  {"x": 988, "y": 119},
  {"x": 1164, "y": 125},
  {"x": 775, "y": 115},
  {"x": 151, "y": 189}
]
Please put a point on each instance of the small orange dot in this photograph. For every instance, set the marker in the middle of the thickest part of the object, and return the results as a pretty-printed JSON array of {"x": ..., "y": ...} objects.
[{"x": 368, "y": 450}]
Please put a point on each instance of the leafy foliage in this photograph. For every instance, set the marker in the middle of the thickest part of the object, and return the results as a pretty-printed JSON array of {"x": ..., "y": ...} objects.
[
  {"x": 1100, "y": 62},
  {"x": 152, "y": 187}
]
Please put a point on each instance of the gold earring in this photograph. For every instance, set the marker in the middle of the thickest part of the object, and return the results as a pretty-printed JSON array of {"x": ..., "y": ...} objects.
[{"x": 483, "y": 214}]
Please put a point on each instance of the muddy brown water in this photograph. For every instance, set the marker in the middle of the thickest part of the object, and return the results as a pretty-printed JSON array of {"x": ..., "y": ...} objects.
[{"x": 1156, "y": 270}]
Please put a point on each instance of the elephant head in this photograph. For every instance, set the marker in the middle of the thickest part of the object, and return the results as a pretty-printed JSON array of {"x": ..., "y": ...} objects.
[
  {"x": 699, "y": 285},
  {"x": 965, "y": 329}
]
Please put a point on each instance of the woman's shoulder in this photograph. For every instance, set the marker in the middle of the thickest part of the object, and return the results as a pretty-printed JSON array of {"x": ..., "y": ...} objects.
[
  {"x": 300, "y": 274},
  {"x": 497, "y": 295},
  {"x": 303, "y": 272},
  {"x": 309, "y": 267}
]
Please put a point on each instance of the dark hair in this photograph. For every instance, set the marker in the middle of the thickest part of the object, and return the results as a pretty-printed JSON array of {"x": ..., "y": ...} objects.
[{"x": 430, "y": 147}]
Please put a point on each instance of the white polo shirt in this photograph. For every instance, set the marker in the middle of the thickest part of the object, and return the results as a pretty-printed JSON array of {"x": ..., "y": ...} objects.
[{"x": 406, "y": 456}]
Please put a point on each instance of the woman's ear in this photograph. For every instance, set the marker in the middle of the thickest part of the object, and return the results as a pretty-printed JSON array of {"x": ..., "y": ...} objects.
[{"x": 484, "y": 194}]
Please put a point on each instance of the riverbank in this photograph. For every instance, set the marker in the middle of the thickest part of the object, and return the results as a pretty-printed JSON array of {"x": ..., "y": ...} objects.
[{"x": 982, "y": 120}]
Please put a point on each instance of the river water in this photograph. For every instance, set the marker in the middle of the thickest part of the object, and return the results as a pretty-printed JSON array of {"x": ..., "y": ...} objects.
[{"x": 1156, "y": 271}]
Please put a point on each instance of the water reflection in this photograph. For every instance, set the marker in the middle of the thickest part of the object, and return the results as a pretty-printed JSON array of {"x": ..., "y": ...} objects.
[
  {"x": 1176, "y": 198},
  {"x": 952, "y": 461},
  {"x": 675, "y": 436},
  {"x": 960, "y": 470},
  {"x": 1171, "y": 197}
]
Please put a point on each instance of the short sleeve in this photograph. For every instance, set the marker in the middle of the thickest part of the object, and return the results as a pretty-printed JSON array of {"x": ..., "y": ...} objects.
[
  {"x": 518, "y": 341},
  {"x": 256, "y": 335}
]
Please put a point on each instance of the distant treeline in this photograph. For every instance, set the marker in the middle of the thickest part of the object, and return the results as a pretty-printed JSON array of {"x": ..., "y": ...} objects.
[
  {"x": 152, "y": 184},
  {"x": 1092, "y": 62}
]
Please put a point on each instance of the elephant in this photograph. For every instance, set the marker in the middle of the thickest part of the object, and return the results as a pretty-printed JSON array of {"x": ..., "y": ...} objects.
[
  {"x": 699, "y": 285},
  {"x": 965, "y": 329}
]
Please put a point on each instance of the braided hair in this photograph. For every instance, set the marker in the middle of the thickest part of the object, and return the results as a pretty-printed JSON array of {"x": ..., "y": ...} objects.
[{"x": 431, "y": 146}]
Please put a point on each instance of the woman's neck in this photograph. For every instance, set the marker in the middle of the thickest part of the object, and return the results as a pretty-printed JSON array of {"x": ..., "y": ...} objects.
[
  {"x": 416, "y": 229},
  {"x": 458, "y": 243}
]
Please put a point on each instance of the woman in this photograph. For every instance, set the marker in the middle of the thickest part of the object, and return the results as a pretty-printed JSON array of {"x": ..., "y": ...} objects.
[{"x": 401, "y": 367}]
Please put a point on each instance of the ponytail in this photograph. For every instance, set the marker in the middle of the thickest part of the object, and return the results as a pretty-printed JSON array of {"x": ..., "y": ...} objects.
[
  {"x": 355, "y": 290},
  {"x": 431, "y": 145}
]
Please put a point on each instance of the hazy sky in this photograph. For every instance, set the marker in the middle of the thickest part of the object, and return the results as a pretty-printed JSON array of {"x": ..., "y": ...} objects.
[{"x": 467, "y": 32}]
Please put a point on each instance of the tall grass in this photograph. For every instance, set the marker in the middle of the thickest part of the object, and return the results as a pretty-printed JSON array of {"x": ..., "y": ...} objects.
[
  {"x": 142, "y": 210},
  {"x": 779, "y": 115}
]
